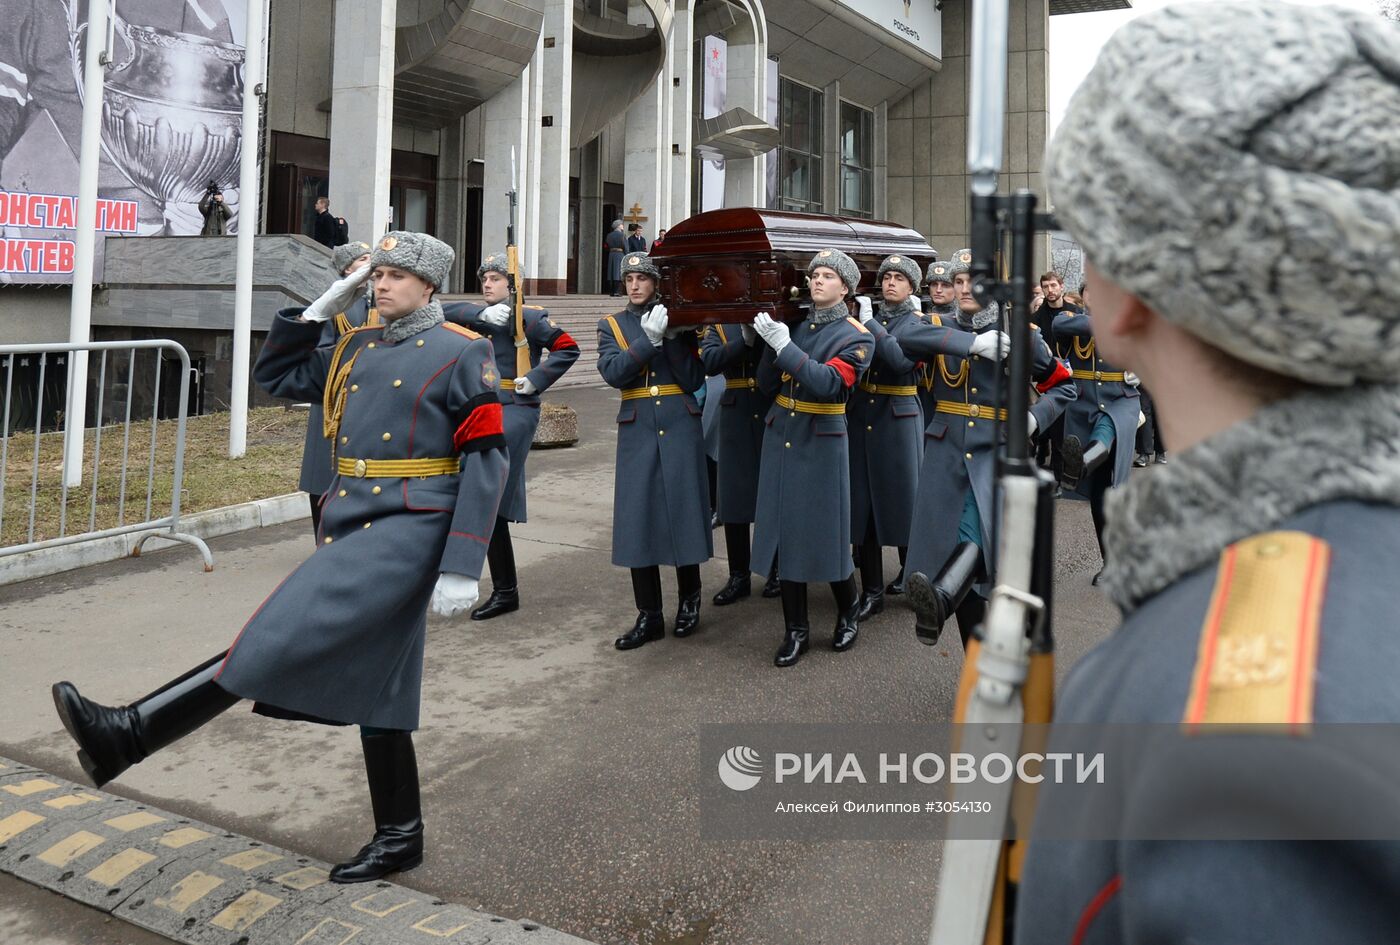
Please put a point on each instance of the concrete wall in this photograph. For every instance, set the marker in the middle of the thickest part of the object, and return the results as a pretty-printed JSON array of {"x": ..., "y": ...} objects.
[{"x": 34, "y": 314}]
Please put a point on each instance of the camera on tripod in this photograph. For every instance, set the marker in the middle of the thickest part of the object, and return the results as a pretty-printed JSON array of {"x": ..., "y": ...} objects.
[{"x": 213, "y": 190}]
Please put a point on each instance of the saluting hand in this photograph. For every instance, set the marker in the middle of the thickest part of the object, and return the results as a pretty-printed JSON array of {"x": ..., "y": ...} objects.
[
  {"x": 991, "y": 344},
  {"x": 774, "y": 332},
  {"x": 497, "y": 315},
  {"x": 334, "y": 300},
  {"x": 453, "y": 594}
]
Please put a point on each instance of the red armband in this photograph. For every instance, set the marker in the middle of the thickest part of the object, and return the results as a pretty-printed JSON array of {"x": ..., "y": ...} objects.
[
  {"x": 848, "y": 373},
  {"x": 484, "y": 421},
  {"x": 1061, "y": 373}
]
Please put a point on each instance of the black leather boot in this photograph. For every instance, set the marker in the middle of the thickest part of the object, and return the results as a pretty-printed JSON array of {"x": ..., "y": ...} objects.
[
  {"x": 896, "y": 587},
  {"x": 1081, "y": 461},
  {"x": 935, "y": 601},
  {"x": 796, "y": 632},
  {"x": 871, "y": 603},
  {"x": 847, "y": 615},
  {"x": 113, "y": 738},
  {"x": 687, "y": 615},
  {"x": 503, "y": 600},
  {"x": 735, "y": 589},
  {"x": 392, "y": 770},
  {"x": 650, "y": 626},
  {"x": 772, "y": 587},
  {"x": 505, "y": 592}
]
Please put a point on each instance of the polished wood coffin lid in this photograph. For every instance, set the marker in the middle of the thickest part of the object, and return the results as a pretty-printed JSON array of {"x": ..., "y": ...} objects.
[{"x": 727, "y": 265}]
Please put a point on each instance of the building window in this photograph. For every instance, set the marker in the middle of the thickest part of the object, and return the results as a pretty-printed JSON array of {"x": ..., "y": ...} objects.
[
  {"x": 857, "y": 161},
  {"x": 800, "y": 153}
]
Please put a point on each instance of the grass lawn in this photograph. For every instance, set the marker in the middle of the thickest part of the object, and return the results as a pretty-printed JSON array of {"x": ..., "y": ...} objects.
[{"x": 270, "y": 467}]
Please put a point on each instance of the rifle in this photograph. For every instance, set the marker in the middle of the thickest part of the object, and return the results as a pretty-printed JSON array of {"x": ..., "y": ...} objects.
[
  {"x": 1008, "y": 672},
  {"x": 522, "y": 345}
]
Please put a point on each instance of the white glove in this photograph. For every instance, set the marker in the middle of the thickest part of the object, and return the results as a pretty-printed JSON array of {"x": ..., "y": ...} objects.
[
  {"x": 991, "y": 344},
  {"x": 334, "y": 300},
  {"x": 750, "y": 336},
  {"x": 523, "y": 386},
  {"x": 1032, "y": 425},
  {"x": 654, "y": 324},
  {"x": 774, "y": 332},
  {"x": 863, "y": 305},
  {"x": 497, "y": 316},
  {"x": 1131, "y": 379},
  {"x": 453, "y": 594}
]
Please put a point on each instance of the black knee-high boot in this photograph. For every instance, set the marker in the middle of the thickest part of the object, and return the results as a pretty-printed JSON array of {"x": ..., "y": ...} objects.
[
  {"x": 848, "y": 603},
  {"x": 970, "y": 614},
  {"x": 896, "y": 587},
  {"x": 113, "y": 738},
  {"x": 1098, "y": 486},
  {"x": 934, "y": 601},
  {"x": 500, "y": 557},
  {"x": 392, "y": 770},
  {"x": 736, "y": 543},
  {"x": 872, "y": 576},
  {"x": 650, "y": 625},
  {"x": 688, "y": 610},
  {"x": 796, "y": 630}
]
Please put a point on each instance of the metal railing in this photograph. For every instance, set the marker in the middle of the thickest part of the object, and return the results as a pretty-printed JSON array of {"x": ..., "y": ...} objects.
[{"x": 48, "y": 367}]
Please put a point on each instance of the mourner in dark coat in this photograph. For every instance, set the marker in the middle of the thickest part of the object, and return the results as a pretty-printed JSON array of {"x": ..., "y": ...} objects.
[
  {"x": 1101, "y": 423},
  {"x": 953, "y": 515},
  {"x": 615, "y": 243},
  {"x": 317, "y": 453},
  {"x": 804, "y": 490},
  {"x": 420, "y": 466},
  {"x": 520, "y": 404},
  {"x": 732, "y": 353},
  {"x": 1256, "y": 573},
  {"x": 661, "y": 508}
]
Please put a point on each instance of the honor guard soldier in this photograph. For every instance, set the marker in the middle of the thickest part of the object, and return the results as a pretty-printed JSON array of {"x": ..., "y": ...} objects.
[
  {"x": 954, "y": 511},
  {"x": 804, "y": 491},
  {"x": 520, "y": 406},
  {"x": 1257, "y": 573},
  {"x": 1100, "y": 424},
  {"x": 942, "y": 310},
  {"x": 661, "y": 507},
  {"x": 420, "y": 461},
  {"x": 316, "y": 471},
  {"x": 886, "y": 423},
  {"x": 734, "y": 352}
]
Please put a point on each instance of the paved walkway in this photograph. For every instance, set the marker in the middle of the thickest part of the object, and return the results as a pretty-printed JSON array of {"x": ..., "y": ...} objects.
[{"x": 559, "y": 775}]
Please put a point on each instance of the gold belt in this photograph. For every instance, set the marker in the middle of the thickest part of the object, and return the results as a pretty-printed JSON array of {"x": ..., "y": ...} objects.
[
  {"x": 1097, "y": 375},
  {"x": 397, "y": 468},
  {"x": 807, "y": 406},
  {"x": 655, "y": 390},
  {"x": 892, "y": 390},
  {"x": 985, "y": 411},
  {"x": 740, "y": 383},
  {"x": 507, "y": 383}
]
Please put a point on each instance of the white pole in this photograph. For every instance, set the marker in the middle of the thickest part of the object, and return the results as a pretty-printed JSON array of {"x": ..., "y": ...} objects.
[
  {"x": 248, "y": 204},
  {"x": 95, "y": 58}
]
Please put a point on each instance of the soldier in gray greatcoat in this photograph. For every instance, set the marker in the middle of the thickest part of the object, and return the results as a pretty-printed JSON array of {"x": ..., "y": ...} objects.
[
  {"x": 1256, "y": 574},
  {"x": 804, "y": 490},
  {"x": 661, "y": 506},
  {"x": 420, "y": 463},
  {"x": 520, "y": 405},
  {"x": 316, "y": 471},
  {"x": 732, "y": 354},
  {"x": 942, "y": 309},
  {"x": 1100, "y": 424},
  {"x": 953, "y": 513}
]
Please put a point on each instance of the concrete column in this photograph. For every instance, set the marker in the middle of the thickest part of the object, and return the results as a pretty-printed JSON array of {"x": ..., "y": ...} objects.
[
  {"x": 682, "y": 61},
  {"x": 590, "y": 217},
  {"x": 362, "y": 113},
  {"x": 645, "y": 161},
  {"x": 831, "y": 148},
  {"x": 532, "y": 199},
  {"x": 881, "y": 162},
  {"x": 557, "y": 66},
  {"x": 746, "y": 87},
  {"x": 505, "y": 125},
  {"x": 452, "y": 198}
]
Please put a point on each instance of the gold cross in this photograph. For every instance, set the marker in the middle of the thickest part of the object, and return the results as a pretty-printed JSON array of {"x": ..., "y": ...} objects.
[{"x": 635, "y": 214}]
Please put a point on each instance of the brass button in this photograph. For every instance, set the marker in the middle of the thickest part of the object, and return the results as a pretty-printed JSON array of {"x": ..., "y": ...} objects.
[
  {"x": 1102, "y": 407},
  {"x": 398, "y": 383},
  {"x": 376, "y": 490},
  {"x": 327, "y": 540},
  {"x": 872, "y": 400},
  {"x": 354, "y": 387},
  {"x": 1098, "y": 375},
  {"x": 792, "y": 413},
  {"x": 755, "y": 416},
  {"x": 797, "y": 385},
  {"x": 342, "y": 493},
  {"x": 974, "y": 390},
  {"x": 367, "y": 524},
  {"x": 370, "y": 345},
  {"x": 360, "y": 468},
  {"x": 752, "y": 383},
  {"x": 977, "y": 357},
  {"x": 420, "y": 342},
  {"x": 972, "y": 423},
  {"x": 968, "y": 455},
  {"x": 869, "y": 428},
  {"x": 787, "y": 445},
  {"x": 344, "y": 440},
  {"x": 658, "y": 403},
  {"x": 654, "y": 391},
  {"x": 387, "y": 437},
  {"x": 975, "y": 410},
  {"x": 660, "y": 432}
]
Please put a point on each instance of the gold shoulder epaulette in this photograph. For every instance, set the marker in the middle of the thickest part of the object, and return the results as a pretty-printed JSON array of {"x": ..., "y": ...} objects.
[
  {"x": 1257, "y": 657},
  {"x": 538, "y": 308},
  {"x": 935, "y": 319},
  {"x": 856, "y": 322},
  {"x": 453, "y": 326}
]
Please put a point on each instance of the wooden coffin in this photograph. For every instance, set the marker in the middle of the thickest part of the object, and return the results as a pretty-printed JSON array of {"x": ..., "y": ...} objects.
[{"x": 727, "y": 265}]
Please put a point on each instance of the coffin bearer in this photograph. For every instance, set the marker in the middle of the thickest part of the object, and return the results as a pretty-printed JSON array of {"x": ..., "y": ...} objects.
[
  {"x": 1101, "y": 423},
  {"x": 954, "y": 511},
  {"x": 804, "y": 490},
  {"x": 661, "y": 508},
  {"x": 316, "y": 453},
  {"x": 616, "y": 245},
  {"x": 520, "y": 405},
  {"x": 420, "y": 462},
  {"x": 734, "y": 352}
]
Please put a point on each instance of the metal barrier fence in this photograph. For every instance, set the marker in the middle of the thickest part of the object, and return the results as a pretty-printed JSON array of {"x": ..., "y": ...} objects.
[{"x": 47, "y": 367}]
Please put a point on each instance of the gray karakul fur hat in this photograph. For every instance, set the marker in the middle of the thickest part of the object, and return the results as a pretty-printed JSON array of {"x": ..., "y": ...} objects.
[
  {"x": 900, "y": 264},
  {"x": 640, "y": 262},
  {"x": 346, "y": 253},
  {"x": 939, "y": 271},
  {"x": 495, "y": 262},
  {"x": 1236, "y": 166},
  {"x": 959, "y": 262},
  {"x": 425, "y": 256},
  {"x": 844, "y": 266}
]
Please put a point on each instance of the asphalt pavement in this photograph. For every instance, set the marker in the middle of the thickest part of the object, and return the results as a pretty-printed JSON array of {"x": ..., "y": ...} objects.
[{"x": 559, "y": 775}]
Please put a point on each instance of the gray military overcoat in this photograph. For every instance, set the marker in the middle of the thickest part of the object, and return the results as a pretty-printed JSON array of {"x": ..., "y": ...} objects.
[
  {"x": 316, "y": 467},
  {"x": 1074, "y": 335},
  {"x": 341, "y": 640},
  {"x": 742, "y": 411}
]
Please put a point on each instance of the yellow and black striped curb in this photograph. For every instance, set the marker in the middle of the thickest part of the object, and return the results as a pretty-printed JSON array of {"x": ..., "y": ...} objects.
[{"x": 198, "y": 884}]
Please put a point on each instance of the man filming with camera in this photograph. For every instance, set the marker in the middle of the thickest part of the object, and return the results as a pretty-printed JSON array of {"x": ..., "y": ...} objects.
[{"x": 214, "y": 211}]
